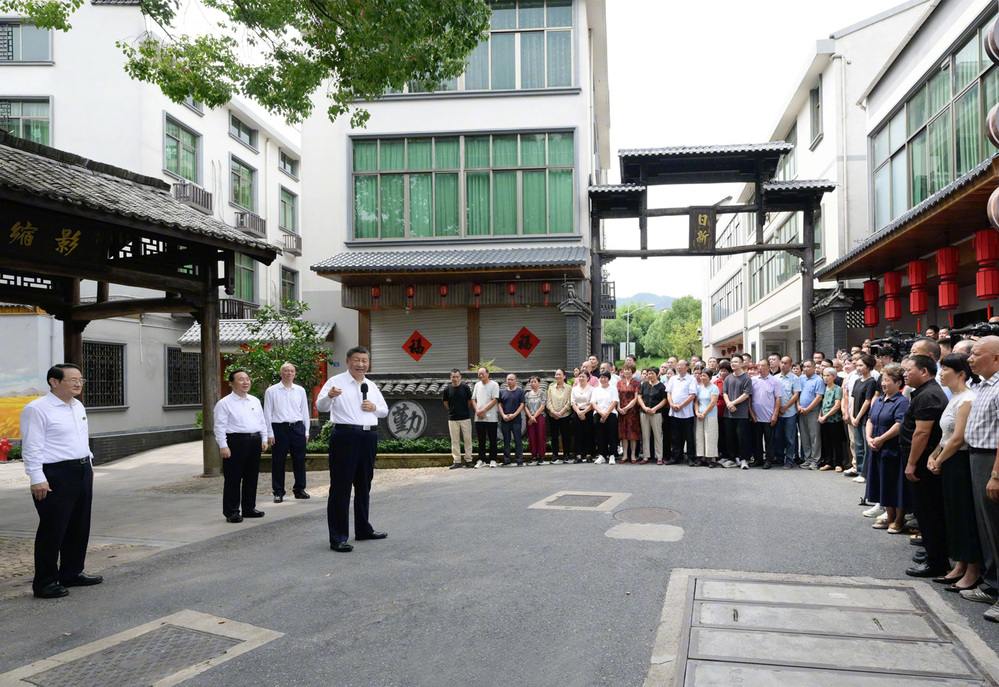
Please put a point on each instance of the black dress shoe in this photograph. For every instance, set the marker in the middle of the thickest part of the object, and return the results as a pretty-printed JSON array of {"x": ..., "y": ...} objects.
[
  {"x": 53, "y": 590},
  {"x": 253, "y": 513},
  {"x": 919, "y": 557},
  {"x": 947, "y": 580},
  {"x": 302, "y": 495},
  {"x": 767, "y": 465},
  {"x": 342, "y": 547},
  {"x": 234, "y": 518},
  {"x": 278, "y": 499},
  {"x": 925, "y": 570},
  {"x": 373, "y": 535},
  {"x": 82, "y": 580}
]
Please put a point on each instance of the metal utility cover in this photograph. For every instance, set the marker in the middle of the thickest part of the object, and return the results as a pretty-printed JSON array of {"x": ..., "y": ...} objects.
[
  {"x": 582, "y": 500},
  {"x": 647, "y": 516}
]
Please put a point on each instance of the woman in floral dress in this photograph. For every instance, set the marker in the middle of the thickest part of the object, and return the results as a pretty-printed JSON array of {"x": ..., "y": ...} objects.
[{"x": 629, "y": 428}]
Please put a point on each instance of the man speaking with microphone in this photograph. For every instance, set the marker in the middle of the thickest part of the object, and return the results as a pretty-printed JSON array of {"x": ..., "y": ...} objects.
[{"x": 354, "y": 405}]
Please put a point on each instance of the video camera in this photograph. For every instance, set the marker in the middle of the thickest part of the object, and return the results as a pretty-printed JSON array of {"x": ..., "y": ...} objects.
[
  {"x": 895, "y": 344},
  {"x": 979, "y": 330}
]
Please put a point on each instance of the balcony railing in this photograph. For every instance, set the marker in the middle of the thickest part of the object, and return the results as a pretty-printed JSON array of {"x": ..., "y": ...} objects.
[
  {"x": 252, "y": 223},
  {"x": 235, "y": 309},
  {"x": 191, "y": 194},
  {"x": 608, "y": 300},
  {"x": 293, "y": 244}
]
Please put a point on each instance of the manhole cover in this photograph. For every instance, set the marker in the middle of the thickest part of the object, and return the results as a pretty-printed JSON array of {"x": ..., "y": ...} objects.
[
  {"x": 647, "y": 515},
  {"x": 579, "y": 500},
  {"x": 144, "y": 660}
]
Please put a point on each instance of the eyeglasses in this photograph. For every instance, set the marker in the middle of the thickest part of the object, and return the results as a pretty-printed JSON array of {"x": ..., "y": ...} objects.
[{"x": 75, "y": 381}]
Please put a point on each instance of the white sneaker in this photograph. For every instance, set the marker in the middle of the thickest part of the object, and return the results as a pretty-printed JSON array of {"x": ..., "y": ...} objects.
[
  {"x": 533, "y": 462},
  {"x": 492, "y": 463},
  {"x": 874, "y": 512},
  {"x": 744, "y": 465},
  {"x": 547, "y": 462},
  {"x": 611, "y": 461},
  {"x": 852, "y": 472},
  {"x": 727, "y": 463},
  {"x": 555, "y": 462},
  {"x": 909, "y": 517},
  {"x": 599, "y": 461},
  {"x": 859, "y": 479},
  {"x": 479, "y": 464}
]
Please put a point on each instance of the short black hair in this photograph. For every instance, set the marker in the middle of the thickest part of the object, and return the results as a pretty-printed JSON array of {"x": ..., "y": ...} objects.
[
  {"x": 933, "y": 328},
  {"x": 605, "y": 373},
  {"x": 358, "y": 349},
  {"x": 924, "y": 362},
  {"x": 456, "y": 370},
  {"x": 932, "y": 344},
  {"x": 57, "y": 373},
  {"x": 232, "y": 374}
]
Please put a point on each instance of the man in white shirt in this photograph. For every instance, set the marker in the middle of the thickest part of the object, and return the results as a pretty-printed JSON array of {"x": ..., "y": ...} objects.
[
  {"x": 286, "y": 413},
  {"x": 485, "y": 397},
  {"x": 55, "y": 448},
  {"x": 354, "y": 405},
  {"x": 241, "y": 433},
  {"x": 681, "y": 394}
]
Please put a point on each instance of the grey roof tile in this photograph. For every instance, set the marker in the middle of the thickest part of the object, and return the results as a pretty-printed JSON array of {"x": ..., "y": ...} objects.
[
  {"x": 800, "y": 185},
  {"x": 236, "y": 332},
  {"x": 460, "y": 259},
  {"x": 617, "y": 188},
  {"x": 769, "y": 147},
  {"x": 409, "y": 385}
]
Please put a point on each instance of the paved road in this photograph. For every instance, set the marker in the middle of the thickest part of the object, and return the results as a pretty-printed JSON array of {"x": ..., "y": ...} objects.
[{"x": 472, "y": 587}]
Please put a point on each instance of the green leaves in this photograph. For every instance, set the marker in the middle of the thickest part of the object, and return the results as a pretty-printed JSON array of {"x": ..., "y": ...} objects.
[{"x": 674, "y": 331}]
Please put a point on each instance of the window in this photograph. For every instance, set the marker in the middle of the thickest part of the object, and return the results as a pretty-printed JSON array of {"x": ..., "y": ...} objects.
[
  {"x": 195, "y": 105},
  {"x": 815, "y": 111},
  {"x": 768, "y": 271},
  {"x": 728, "y": 236},
  {"x": 242, "y": 132},
  {"x": 288, "y": 165},
  {"x": 245, "y": 279},
  {"x": 242, "y": 181},
  {"x": 529, "y": 46},
  {"x": 939, "y": 132},
  {"x": 24, "y": 43},
  {"x": 183, "y": 378},
  {"x": 289, "y": 211},
  {"x": 727, "y": 300},
  {"x": 289, "y": 285},
  {"x": 27, "y": 119},
  {"x": 181, "y": 150},
  {"x": 485, "y": 185},
  {"x": 787, "y": 168},
  {"x": 104, "y": 370},
  {"x": 819, "y": 228}
]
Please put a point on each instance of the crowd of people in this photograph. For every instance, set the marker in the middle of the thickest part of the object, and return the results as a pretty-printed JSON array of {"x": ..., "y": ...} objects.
[{"x": 921, "y": 433}]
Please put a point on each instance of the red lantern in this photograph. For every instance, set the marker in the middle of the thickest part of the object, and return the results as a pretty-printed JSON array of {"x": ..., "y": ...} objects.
[
  {"x": 986, "y": 244},
  {"x": 443, "y": 292},
  {"x": 947, "y": 271},
  {"x": 546, "y": 288},
  {"x": 410, "y": 292},
  {"x": 477, "y": 290},
  {"x": 511, "y": 289},
  {"x": 871, "y": 290},
  {"x": 376, "y": 293},
  {"x": 893, "y": 289},
  {"x": 917, "y": 290}
]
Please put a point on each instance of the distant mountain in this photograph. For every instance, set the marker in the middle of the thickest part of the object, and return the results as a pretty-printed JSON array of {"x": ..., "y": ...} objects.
[
  {"x": 31, "y": 391},
  {"x": 659, "y": 301}
]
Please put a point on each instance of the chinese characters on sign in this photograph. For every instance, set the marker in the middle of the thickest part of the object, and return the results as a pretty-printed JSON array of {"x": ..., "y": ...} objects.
[
  {"x": 23, "y": 234},
  {"x": 416, "y": 346},
  {"x": 407, "y": 420},
  {"x": 525, "y": 342},
  {"x": 702, "y": 229},
  {"x": 68, "y": 242}
]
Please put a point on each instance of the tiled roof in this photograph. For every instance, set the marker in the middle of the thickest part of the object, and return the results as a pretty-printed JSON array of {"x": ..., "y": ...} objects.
[
  {"x": 982, "y": 170},
  {"x": 115, "y": 2},
  {"x": 734, "y": 149},
  {"x": 424, "y": 260},
  {"x": 617, "y": 188},
  {"x": 236, "y": 332},
  {"x": 43, "y": 171},
  {"x": 433, "y": 386},
  {"x": 800, "y": 185}
]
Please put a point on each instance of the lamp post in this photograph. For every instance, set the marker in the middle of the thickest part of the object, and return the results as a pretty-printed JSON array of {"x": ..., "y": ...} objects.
[{"x": 627, "y": 321}]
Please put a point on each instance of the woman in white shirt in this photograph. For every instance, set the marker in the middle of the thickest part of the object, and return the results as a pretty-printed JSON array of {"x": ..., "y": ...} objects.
[
  {"x": 605, "y": 400},
  {"x": 582, "y": 417}
]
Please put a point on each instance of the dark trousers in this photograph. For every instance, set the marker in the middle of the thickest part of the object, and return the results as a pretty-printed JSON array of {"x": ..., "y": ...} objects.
[
  {"x": 667, "y": 435},
  {"x": 484, "y": 430},
  {"x": 63, "y": 522},
  {"x": 683, "y": 432},
  {"x": 986, "y": 512},
  {"x": 786, "y": 439},
  {"x": 560, "y": 428},
  {"x": 352, "y": 465},
  {"x": 833, "y": 444},
  {"x": 240, "y": 472},
  {"x": 605, "y": 435},
  {"x": 763, "y": 442},
  {"x": 927, "y": 497},
  {"x": 583, "y": 434},
  {"x": 288, "y": 438},
  {"x": 723, "y": 451},
  {"x": 740, "y": 438},
  {"x": 513, "y": 436}
]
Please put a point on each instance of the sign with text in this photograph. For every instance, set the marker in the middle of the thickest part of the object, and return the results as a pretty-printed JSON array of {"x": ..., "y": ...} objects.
[
  {"x": 407, "y": 420},
  {"x": 42, "y": 240},
  {"x": 525, "y": 342},
  {"x": 417, "y": 346},
  {"x": 702, "y": 229}
]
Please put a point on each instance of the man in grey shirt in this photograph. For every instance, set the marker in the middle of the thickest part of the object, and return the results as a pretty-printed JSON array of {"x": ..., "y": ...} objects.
[
  {"x": 485, "y": 396},
  {"x": 737, "y": 392}
]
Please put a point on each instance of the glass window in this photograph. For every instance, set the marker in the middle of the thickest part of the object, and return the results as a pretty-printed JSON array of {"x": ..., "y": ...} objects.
[
  {"x": 815, "y": 109},
  {"x": 289, "y": 285},
  {"x": 477, "y": 73},
  {"x": 819, "y": 230},
  {"x": 183, "y": 377},
  {"x": 917, "y": 110},
  {"x": 181, "y": 148},
  {"x": 967, "y": 131},
  {"x": 899, "y": 181},
  {"x": 27, "y": 119},
  {"x": 532, "y": 150},
  {"x": 503, "y": 48},
  {"x": 24, "y": 43},
  {"x": 939, "y": 149},
  {"x": 920, "y": 182},
  {"x": 239, "y": 130},
  {"x": 104, "y": 369},
  {"x": 419, "y": 152},
  {"x": 787, "y": 168},
  {"x": 966, "y": 64},
  {"x": 393, "y": 155},
  {"x": 245, "y": 279},
  {"x": 896, "y": 131},
  {"x": 882, "y": 196},
  {"x": 288, "y": 164},
  {"x": 242, "y": 184},
  {"x": 446, "y": 153},
  {"x": 939, "y": 89},
  {"x": 288, "y": 219},
  {"x": 365, "y": 156},
  {"x": 559, "y": 12}
]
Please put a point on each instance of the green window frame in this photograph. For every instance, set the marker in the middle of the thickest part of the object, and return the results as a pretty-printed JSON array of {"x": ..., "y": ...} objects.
[
  {"x": 287, "y": 210},
  {"x": 181, "y": 150},
  {"x": 245, "y": 281},
  {"x": 289, "y": 285},
  {"x": 242, "y": 181},
  {"x": 769, "y": 271},
  {"x": 242, "y": 131},
  {"x": 288, "y": 164},
  {"x": 465, "y": 185},
  {"x": 27, "y": 119}
]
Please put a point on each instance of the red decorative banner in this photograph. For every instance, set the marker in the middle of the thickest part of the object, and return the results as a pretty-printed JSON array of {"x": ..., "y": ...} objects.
[
  {"x": 416, "y": 345},
  {"x": 525, "y": 342}
]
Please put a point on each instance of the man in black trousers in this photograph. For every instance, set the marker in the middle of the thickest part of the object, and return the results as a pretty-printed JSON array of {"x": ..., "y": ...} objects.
[
  {"x": 355, "y": 405},
  {"x": 55, "y": 447}
]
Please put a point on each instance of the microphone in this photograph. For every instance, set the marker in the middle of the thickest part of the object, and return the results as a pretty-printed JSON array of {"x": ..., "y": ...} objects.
[{"x": 364, "y": 391}]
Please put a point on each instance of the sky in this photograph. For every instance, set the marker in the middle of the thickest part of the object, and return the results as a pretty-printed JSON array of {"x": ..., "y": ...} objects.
[{"x": 702, "y": 73}]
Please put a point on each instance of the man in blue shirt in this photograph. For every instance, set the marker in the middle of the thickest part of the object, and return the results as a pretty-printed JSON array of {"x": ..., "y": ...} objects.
[
  {"x": 809, "y": 406},
  {"x": 786, "y": 435}
]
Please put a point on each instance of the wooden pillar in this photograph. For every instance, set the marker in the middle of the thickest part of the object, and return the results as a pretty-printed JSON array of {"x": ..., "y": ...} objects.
[
  {"x": 473, "y": 337},
  {"x": 103, "y": 291},
  {"x": 807, "y": 279},
  {"x": 596, "y": 277},
  {"x": 364, "y": 328},
  {"x": 72, "y": 332},
  {"x": 210, "y": 371}
]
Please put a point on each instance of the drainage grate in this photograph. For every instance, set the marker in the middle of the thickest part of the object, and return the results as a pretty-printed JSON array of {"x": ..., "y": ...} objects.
[
  {"x": 146, "y": 659},
  {"x": 580, "y": 500},
  {"x": 647, "y": 515}
]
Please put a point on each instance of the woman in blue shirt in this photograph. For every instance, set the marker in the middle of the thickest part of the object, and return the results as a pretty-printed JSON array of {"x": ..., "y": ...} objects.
[{"x": 886, "y": 483}]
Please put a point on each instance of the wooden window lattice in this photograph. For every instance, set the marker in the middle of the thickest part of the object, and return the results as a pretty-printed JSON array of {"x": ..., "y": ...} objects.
[
  {"x": 183, "y": 378},
  {"x": 104, "y": 370}
]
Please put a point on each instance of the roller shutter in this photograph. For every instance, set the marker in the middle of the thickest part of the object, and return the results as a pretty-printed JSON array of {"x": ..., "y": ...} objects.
[
  {"x": 498, "y": 326},
  {"x": 445, "y": 330}
]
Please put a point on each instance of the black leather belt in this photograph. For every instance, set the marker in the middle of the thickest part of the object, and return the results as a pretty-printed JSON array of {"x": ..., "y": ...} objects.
[
  {"x": 287, "y": 424},
  {"x": 243, "y": 434},
  {"x": 362, "y": 428},
  {"x": 75, "y": 461},
  {"x": 981, "y": 450}
]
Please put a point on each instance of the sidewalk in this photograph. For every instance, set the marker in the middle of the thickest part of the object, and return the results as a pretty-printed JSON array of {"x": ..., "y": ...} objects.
[{"x": 149, "y": 502}]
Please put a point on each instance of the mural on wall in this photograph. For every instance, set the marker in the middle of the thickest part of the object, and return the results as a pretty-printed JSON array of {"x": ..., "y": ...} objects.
[
  {"x": 525, "y": 342},
  {"x": 407, "y": 420},
  {"x": 416, "y": 345},
  {"x": 18, "y": 387}
]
